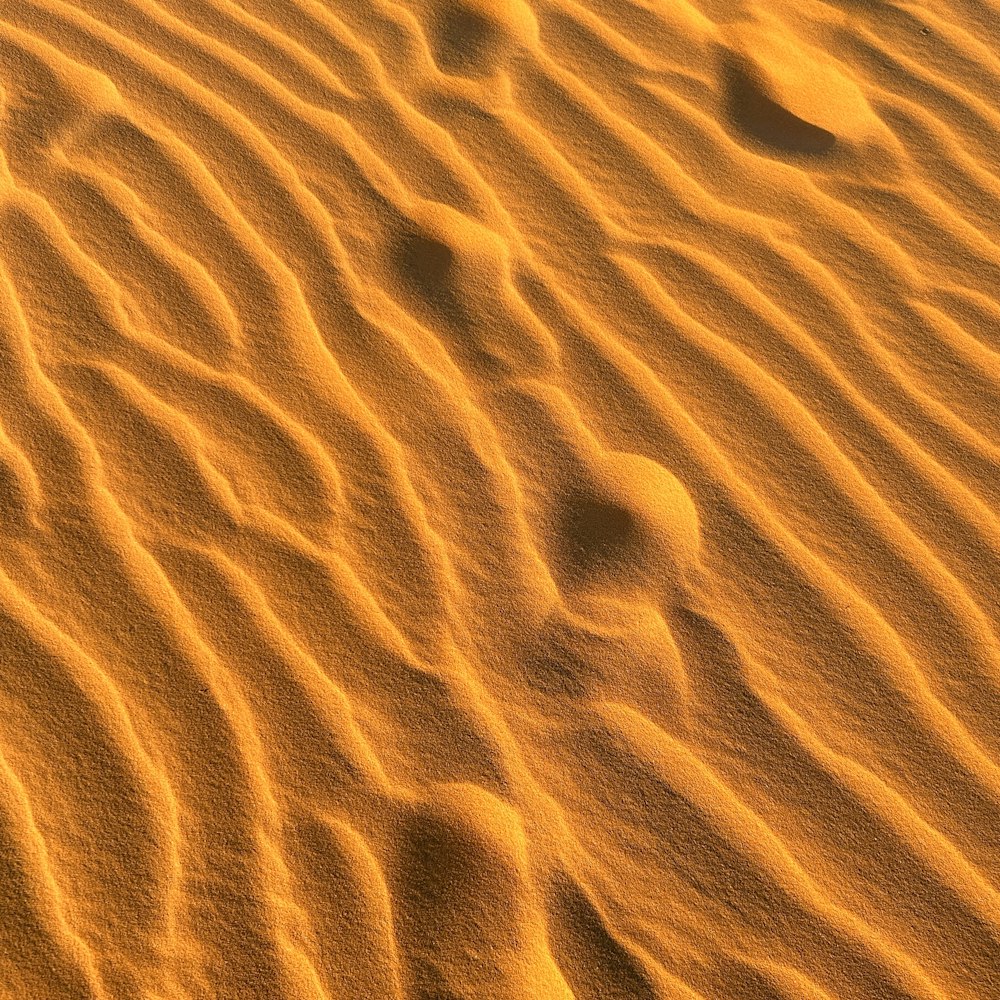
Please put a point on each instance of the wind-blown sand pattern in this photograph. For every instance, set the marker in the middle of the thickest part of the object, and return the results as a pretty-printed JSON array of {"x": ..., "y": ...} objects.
[{"x": 499, "y": 500}]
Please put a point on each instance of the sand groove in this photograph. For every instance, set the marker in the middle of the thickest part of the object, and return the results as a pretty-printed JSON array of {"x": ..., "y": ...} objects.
[{"x": 500, "y": 499}]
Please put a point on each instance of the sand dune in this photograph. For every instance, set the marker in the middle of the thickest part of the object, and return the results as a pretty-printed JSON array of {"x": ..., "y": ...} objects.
[{"x": 499, "y": 499}]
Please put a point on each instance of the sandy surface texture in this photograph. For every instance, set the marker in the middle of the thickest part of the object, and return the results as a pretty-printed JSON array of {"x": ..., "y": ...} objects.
[{"x": 499, "y": 500}]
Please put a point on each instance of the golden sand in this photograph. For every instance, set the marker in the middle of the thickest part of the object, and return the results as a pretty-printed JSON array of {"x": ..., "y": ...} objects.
[{"x": 499, "y": 500}]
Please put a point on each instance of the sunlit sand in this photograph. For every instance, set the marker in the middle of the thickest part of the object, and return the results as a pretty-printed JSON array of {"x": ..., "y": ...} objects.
[{"x": 499, "y": 500}]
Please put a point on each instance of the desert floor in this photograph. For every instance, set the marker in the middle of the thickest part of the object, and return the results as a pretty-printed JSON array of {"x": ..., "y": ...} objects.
[{"x": 499, "y": 500}]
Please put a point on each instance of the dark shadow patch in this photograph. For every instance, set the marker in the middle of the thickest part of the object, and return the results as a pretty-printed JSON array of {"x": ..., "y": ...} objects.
[
  {"x": 447, "y": 877},
  {"x": 454, "y": 901},
  {"x": 428, "y": 268},
  {"x": 463, "y": 41},
  {"x": 757, "y": 115},
  {"x": 595, "y": 965},
  {"x": 429, "y": 271},
  {"x": 596, "y": 532}
]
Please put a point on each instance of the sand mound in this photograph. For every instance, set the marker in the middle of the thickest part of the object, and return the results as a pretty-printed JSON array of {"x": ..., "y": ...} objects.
[{"x": 499, "y": 500}]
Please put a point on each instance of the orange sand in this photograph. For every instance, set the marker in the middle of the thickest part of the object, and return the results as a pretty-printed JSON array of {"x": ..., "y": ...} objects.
[{"x": 499, "y": 499}]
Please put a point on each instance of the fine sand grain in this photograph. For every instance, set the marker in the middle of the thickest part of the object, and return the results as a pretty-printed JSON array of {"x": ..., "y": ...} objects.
[{"x": 499, "y": 500}]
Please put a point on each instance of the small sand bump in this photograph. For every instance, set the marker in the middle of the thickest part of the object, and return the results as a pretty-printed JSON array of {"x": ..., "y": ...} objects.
[
  {"x": 598, "y": 531},
  {"x": 763, "y": 118},
  {"x": 476, "y": 38},
  {"x": 632, "y": 525},
  {"x": 427, "y": 265},
  {"x": 464, "y": 40}
]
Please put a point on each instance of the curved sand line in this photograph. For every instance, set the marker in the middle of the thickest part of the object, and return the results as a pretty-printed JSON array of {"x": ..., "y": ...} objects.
[{"x": 499, "y": 499}]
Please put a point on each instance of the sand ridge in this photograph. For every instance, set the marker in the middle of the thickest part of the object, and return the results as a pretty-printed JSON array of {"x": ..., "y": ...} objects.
[{"x": 499, "y": 499}]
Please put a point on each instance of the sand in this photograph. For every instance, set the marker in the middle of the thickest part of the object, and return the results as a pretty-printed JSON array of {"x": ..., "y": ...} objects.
[{"x": 499, "y": 500}]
